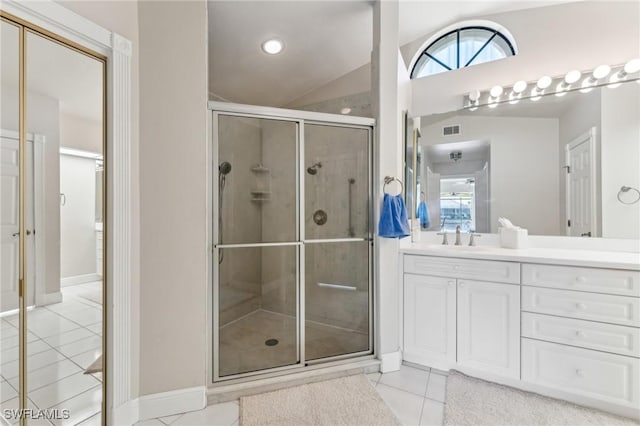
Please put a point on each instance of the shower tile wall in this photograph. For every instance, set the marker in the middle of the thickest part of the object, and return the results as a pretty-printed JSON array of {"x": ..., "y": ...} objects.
[
  {"x": 343, "y": 153},
  {"x": 279, "y": 215},
  {"x": 240, "y": 278}
]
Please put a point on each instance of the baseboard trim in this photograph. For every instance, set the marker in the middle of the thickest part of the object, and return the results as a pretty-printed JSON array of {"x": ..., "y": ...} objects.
[
  {"x": 390, "y": 362},
  {"x": 79, "y": 279},
  {"x": 161, "y": 405},
  {"x": 48, "y": 298}
]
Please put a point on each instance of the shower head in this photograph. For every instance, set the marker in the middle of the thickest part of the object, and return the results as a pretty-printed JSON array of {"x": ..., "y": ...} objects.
[
  {"x": 224, "y": 168},
  {"x": 314, "y": 168}
]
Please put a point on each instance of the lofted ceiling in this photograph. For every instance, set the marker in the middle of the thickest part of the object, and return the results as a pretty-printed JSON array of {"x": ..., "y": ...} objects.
[{"x": 323, "y": 40}]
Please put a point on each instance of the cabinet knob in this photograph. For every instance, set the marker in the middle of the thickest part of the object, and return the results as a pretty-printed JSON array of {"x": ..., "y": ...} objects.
[
  {"x": 579, "y": 373},
  {"x": 461, "y": 283},
  {"x": 579, "y": 333},
  {"x": 581, "y": 280},
  {"x": 581, "y": 306}
]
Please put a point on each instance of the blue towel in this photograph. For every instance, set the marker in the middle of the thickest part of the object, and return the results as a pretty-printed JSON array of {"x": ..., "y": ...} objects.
[
  {"x": 423, "y": 215},
  {"x": 393, "y": 218}
]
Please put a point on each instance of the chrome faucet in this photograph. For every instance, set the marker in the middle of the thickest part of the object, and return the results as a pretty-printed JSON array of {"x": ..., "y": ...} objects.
[{"x": 458, "y": 243}]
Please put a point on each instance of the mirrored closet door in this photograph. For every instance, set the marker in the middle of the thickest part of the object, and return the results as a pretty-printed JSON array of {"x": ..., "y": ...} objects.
[{"x": 53, "y": 198}]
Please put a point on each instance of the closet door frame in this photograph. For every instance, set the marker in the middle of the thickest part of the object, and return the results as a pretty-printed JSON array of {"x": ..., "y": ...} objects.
[{"x": 55, "y": 22}]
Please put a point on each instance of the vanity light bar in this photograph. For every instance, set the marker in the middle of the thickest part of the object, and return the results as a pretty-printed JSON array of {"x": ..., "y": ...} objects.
[{"x": 603, "y": 75}]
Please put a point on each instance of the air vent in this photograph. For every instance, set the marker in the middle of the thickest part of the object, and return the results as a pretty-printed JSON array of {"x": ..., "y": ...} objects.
[{"x": 451, "y": 130}]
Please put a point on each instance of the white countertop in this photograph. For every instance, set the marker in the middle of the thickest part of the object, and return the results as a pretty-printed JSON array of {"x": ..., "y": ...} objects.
[{"x": 590, "y": 258}]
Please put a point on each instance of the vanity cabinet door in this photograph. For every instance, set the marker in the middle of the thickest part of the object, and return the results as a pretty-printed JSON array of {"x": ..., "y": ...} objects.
[
  {"x": 489, "y": 327},
  {"x": 430, "y": 320}
]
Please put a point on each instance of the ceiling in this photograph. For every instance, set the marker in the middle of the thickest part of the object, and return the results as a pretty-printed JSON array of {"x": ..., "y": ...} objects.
[
  {"x": 471, "y": 151},
  {"x": 55, "y": 71},
  {"x": 323, "y": 41}
]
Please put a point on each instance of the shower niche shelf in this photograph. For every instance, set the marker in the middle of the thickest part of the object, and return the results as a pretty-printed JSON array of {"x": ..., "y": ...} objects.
[
  {"x": 259, "y": 195},
  {"x": 259, "y": 168}
]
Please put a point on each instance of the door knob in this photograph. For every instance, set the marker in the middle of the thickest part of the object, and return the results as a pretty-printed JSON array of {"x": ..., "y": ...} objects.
[
  {"x": 28, "y": 231},
  {"x": 15, "y": 234}
]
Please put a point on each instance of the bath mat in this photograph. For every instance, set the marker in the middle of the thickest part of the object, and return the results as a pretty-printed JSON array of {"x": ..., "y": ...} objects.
[
  {"x": 95, "y": 367},
  {"x": 345, "y": 401},
  {"x": 476, "y": 402}
]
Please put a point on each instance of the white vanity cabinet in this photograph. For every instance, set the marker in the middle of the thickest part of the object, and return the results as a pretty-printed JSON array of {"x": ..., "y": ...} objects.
[
  {"x": 462, "y": 312},
  {"x": 430, "y": 320},
  {"x": 489, "y": 327},
  {"x": 566, "y": 331},
  {"x": 581, "y": 331}
]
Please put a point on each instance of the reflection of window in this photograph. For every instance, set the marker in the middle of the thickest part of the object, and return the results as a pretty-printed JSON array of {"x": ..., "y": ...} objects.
[
  {"x": 461, "y": 48},
  {"x": 457, "y": 204}
]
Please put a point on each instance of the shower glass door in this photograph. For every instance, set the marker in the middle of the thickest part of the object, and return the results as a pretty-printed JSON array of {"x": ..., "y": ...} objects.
[
  {"x": 258, "y": 253},
  {"x": 292, "y": 258},
  {"x": 337, "y": 241}
]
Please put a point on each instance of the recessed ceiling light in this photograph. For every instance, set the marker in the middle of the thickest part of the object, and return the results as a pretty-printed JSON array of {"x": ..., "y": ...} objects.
[
  {"x": 272, "y": 46},
  {"x": 345, "y": 110}
]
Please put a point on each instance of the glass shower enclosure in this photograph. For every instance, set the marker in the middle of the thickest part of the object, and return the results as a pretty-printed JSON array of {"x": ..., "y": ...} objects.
[{"x": 291, "y": 225}]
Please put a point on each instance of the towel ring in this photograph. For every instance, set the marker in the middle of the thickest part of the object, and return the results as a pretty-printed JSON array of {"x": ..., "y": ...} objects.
[
  {"x": 625, "y": 189},
  {"x": 388, "y": 180}
]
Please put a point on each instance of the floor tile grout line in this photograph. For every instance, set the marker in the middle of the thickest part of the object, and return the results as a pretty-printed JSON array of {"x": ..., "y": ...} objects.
[
  {"x": 403, "y": 390},
  {"x": 76, "y": 395}
]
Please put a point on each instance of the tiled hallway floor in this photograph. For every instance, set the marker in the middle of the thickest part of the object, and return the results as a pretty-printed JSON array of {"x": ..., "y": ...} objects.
[
  {"x": 63, "y": 340},
  {"x": 415, "y": 396}
]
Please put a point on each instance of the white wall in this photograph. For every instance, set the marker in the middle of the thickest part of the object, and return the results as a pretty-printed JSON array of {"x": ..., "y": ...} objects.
[
  {"x": 80, "y": 133},
  {"x": 620, "y": 160},
  {"x": 551, "y": 40},
  {"x": 173, "y": 194},
  {"x": 524, "y": 167},
  {"x": 77, "y": 216}
]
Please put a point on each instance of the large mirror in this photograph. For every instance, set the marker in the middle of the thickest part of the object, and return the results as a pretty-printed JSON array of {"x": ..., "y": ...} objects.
[{"x": 563, "y": 165}]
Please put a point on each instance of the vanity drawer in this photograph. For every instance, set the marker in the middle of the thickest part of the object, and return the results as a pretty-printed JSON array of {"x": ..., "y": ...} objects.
[
  {"x": 595, "y": 280},
  {"x": 574, "y": 304},
  {"x": 482, "y": 270},
  {"x": 608, "y": 377},
  {"x": 586, "y": 334}
]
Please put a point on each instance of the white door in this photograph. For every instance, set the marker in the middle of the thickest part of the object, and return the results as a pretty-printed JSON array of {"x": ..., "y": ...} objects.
[
  {"x": 9, "y": 219},
  {"x": 489, "y": 327},
  {"x": 580, "y": 165},
  {"x": 430, "y": 320}
]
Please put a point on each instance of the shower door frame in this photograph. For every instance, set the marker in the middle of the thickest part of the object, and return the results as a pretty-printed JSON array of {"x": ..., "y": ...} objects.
[{"x": 217, "y": 109}]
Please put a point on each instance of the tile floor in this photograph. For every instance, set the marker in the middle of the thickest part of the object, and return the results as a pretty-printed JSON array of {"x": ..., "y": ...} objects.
[
  {"x": 415, "y": 396},
  {"x": 63, "y": 340}
]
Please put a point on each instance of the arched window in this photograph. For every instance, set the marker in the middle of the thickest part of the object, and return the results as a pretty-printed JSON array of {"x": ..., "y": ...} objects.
[{"x": 461, "y": 48}]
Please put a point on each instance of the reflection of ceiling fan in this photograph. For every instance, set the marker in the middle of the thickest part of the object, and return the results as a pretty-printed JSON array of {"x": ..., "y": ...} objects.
[{"x": 455, "y": 155}]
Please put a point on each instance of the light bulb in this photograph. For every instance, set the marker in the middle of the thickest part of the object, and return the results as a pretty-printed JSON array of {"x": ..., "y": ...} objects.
[
  {"x": 514, "y": 98},
  {"x": 601, "y": 72},
  {"x": 474, "y": 96},
  {"x": 535, "y": 94},
  {"x": 493, "y": 104},
  {"x": 632, "y": 66},
  {"x": 544, "y": 82},
  {"x": 572, "y": 76},
  {"x": 587, "y": 85},
  {"x": 520, "y": 86},
  {"x": 561, "y": 89},
  {"x": 345, "y": 110},
  {"x": 496, "y": 91},
  {"x": 272, "y": 46},
  {"x": 614, "y": 81}
]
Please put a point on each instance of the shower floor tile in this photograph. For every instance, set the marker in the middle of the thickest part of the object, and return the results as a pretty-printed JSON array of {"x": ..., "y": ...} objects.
[{"x": 243, "y": 345}]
